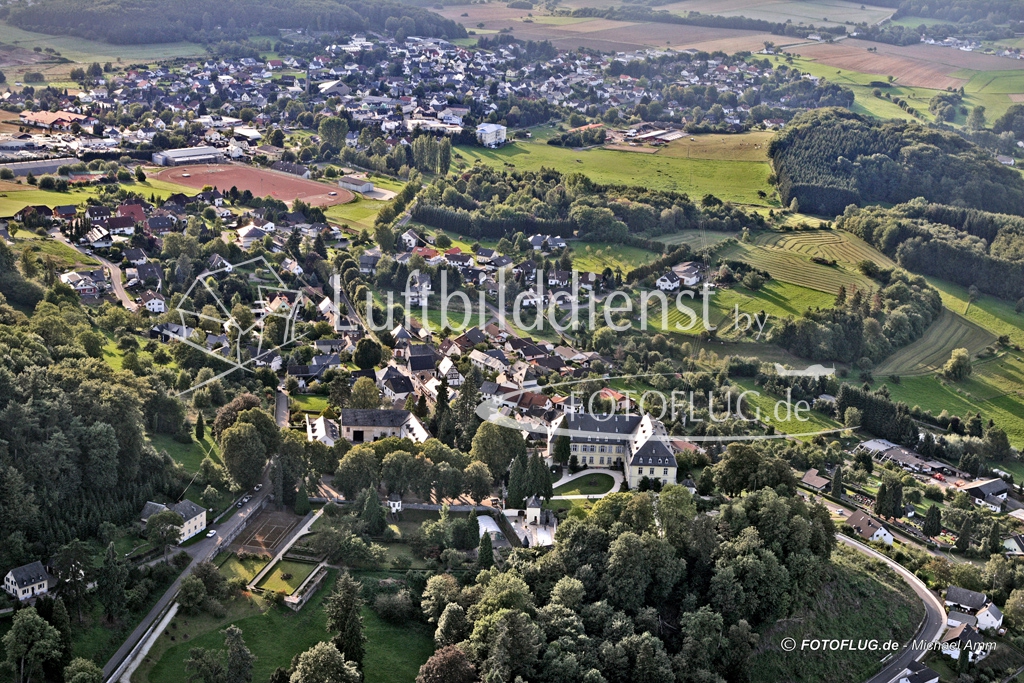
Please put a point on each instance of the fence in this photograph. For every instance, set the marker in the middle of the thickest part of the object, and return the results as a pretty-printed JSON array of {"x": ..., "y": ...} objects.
[{"x": 234, "y": 533}]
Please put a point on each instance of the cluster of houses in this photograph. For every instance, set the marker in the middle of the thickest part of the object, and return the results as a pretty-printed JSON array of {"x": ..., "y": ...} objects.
[{"x": 970, "y": 613}]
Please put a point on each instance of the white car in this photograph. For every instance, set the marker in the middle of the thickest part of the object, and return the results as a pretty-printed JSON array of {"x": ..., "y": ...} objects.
[
  {"x": 186, "y": 175},
  {"x": 332, "y": 194},
  {"x": 211, "y": 533}
]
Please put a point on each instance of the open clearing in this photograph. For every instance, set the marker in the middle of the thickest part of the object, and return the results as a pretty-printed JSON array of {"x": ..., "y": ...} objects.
[
  {"x": 696, "y": 239},
  {"x": 929, "y": 353},
  {"x": 261, "y": 182},
  {"x": 995, "y": 315},
  {"x": 735, "y": 181},
  {"x": 853, "y": 55}
]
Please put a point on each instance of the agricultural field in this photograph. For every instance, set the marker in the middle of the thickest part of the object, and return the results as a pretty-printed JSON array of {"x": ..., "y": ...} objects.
[
  {"x": 734, "y": 181},
  {"x": 787, "y": 257},
  {"x": 599, "y": 34},
  {"x": 819, "y": 12},
  {"x": 594, "y": 257},
  {"x": 696, "y": 239},
  {"x": 929, "y": 353},
  {"x": 995, "y": 315},
  {"x": 994, "y": 390},
  {"x": 750, "y": 146},
  {"x": 88, "y": 51}
]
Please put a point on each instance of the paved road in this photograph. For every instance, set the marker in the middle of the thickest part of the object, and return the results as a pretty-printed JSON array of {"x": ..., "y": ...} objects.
[
  {"x": 113, "y": 270},
  {"x": 200, "y": 551},
  {"x": 931, "y": 628},
  {"x": 281, "y": 409}
]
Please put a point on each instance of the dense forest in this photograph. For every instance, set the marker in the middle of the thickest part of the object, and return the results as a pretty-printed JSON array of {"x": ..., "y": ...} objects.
[
  {"x": 863, "y": 327},
  {"x": 827, "y": 159},
  {"x": 73, "y": 452},
  {"x": 483, "y": 202},
  {"x": 969, "y": 247},
  {"x": 148, "y": 21},
  {"x": 958, "y": 11}
]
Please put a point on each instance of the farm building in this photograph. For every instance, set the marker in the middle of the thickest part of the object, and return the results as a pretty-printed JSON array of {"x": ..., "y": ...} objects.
[
  {"x": 355, "y": 184},
  {"x": 188, "y": 155}
]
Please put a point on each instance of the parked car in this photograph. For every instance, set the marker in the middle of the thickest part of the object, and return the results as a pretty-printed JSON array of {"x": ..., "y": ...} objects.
[
  {"x": 258, "y": 487},
  {"x": 211, "y": 533}
]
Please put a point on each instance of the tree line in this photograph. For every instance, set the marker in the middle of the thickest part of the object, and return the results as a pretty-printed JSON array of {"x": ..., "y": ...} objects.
[
  {"x": 969, "y": 247},
  {"x": 149, "y": 21}
]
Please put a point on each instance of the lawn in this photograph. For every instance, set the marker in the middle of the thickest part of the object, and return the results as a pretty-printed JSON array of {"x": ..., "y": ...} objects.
[
  {"x": 750, "y": 146},
  {"x": 14, "y": 197},
  {"x": 310, "y": 403},
  {"x": 358, "y": 214},
  {"x": 275, "y": 580},
  {"x": 735, "y": 181},
  {"x": 394, "y": 654},
  {"x": 589, "y": 485},
  {"x": 860, "y": 598},
  {"x": 190, "y": 455},
  {"x": 594, "y": 257},
  {"x": 233, "y": 568}
]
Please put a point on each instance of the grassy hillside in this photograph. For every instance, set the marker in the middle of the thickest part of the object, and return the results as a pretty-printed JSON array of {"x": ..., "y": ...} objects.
[{"x": 862, "y": 598}]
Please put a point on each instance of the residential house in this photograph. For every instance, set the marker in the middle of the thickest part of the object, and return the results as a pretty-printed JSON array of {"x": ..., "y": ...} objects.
[
  {"x": 916, "y": 672},
  {"x": 136, "y": 257},
  {"x": 989, "y": 618},
  {"x": 868, "y": 528},
  {"x": 815, "y": 481},
  {"x": 98, "y": 238},
  {"x": 27, "y": 581},
  {"x": 449, "y": 371},
  {"x": 153, "y": 301},
  {"x": 964, "y": 639},
  {"x": 323, "y": 429},
  {"x": 491, "y": 134},
  {"x": 422, "y": 367},
  {"x": 669, "y": 282},
  {"x": 193, "y": 516},
  {"x": 964, "y": 599},
  {"x": 249, "y": 235},
  {"x": 990, "y": 493},
  {"x": 689, "y": 273}
]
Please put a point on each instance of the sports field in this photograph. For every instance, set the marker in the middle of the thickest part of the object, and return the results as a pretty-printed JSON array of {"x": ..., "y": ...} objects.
[
  {"x": 261, "y": 182},
  {"x": 735, "y": 181},
  {"x": 266, "y": 532}
]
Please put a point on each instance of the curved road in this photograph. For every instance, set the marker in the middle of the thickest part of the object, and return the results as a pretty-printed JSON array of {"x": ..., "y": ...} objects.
[
  {"x": 934, "y": 619},
  {"x": 113, "y": 270}
]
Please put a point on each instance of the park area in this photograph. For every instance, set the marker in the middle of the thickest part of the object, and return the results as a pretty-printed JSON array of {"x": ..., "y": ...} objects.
[
  {"x": 259, "y": 181},
  {"x": 589, "y": 485}
]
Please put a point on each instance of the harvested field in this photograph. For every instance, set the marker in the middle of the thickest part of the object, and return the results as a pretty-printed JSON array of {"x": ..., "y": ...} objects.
[
  {"x": 930, "y": 352},
  {"x": 829, "y": 244},
  {"x": 837, "y": 11},
  {"x": 853, "y": 55},
  {"x": 261, "y": 182}
]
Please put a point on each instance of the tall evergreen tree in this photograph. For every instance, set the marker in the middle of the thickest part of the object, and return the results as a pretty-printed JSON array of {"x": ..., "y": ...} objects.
[
  {"x": 881, "y": 507},
  {"x": 837, "y": 482},
  {"x": 373, "y": 514},
  {"x": 342, "y": 608},
  {"x": 200, "y": 427},
  {"x": 518, "y": 482},
  {"x": 239, "y": 658},
  {"x": 485, "y": 555},
  {"x": 112, "y": 584},
  {"x": 464, "y": 411},
  {"x": 963, "y": 541},
  {"x": 563, "y": 449},
  {"x": 995, "y": 541},
  {"x": 932, "y": 522},
  {"x": 540, "y": 478}
]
